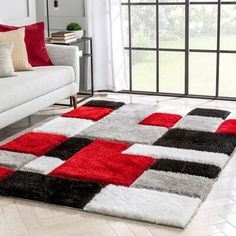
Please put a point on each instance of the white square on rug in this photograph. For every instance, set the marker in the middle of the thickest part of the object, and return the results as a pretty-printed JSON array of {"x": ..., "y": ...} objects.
[
  {"x": 64, "y": 126},
  {"x": 145, "y": 205},
  {"x": 212, "y": 158},
  {"x": 200, "y": 123},
  {"x": 42, "y": 165}
]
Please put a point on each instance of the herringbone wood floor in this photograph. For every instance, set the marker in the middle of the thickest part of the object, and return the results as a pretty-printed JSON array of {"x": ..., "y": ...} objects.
[{"x": 216, "y": 216}]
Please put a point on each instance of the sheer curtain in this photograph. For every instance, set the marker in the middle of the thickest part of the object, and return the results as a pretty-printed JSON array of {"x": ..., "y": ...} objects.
[{"x": 105, "y": 26}]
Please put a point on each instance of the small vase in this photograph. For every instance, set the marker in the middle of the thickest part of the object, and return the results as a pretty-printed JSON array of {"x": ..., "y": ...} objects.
[{"x": 78, "y": 33}]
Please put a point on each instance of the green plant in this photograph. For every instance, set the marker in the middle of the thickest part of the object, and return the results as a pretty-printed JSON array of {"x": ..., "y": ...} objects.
[{"x": 74, "y": 27}]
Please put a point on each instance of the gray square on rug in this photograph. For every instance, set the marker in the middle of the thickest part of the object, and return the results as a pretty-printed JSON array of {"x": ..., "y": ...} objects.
[
  {"x": 15, "y": 160},
  {"x": 123, "y": 125},
  {"x": 200, "y": 123},
  {"x": 183, "y": 184}
]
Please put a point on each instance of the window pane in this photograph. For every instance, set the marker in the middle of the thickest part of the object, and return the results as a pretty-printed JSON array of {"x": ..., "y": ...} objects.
[
  {"x": 171, "y": 72},
  {"x": 171, "y": 26},
  {"x": 143, "y": 1},
  {"x": 143, "y": 26},
  {"x": 144, "y": 71},
  {"x": 125, "y": 21},
  {"x": 228, "y": 27},
  {"x": 203, "y": 27},
  {"x": 127, "y": 64},
  {"x": 202, "y": 73},
  {"x": 203, "y": 1},
  {"x": 172, "y": 1},
  {"x": 228, "y": 75}
]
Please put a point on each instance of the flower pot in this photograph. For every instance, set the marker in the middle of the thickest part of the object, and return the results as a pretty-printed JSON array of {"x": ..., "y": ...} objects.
[{"x": 78, "y": 33}]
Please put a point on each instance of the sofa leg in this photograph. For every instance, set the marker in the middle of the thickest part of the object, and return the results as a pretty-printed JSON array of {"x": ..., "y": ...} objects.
[{"x": 74, "y": 100}]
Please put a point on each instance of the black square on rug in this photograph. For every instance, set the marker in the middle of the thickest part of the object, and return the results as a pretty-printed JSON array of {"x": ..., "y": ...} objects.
[
  {"x": 103, "y": 103},
  {"x": 187, "y": 167},
  {"x": 49, "y": 189},
  {"x": 198, "y": 140},
  {"x": 209, "y": 113},
  {"x": 68, "y": 148}
]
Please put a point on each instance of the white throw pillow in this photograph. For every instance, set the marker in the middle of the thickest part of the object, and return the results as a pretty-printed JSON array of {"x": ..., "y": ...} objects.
[{"x": 6, "y": 63}]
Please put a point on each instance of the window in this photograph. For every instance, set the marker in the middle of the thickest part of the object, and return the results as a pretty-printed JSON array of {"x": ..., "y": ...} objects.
[{"x": 181, "y": 47}]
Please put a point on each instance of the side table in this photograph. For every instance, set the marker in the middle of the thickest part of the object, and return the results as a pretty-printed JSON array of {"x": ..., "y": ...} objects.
[{"x": 87, "y": 46}]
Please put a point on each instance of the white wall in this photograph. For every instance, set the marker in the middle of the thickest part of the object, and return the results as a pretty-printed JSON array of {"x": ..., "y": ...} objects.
[
  {"x": 17, "y": 12},
  {"x": 69, "y": 11}
]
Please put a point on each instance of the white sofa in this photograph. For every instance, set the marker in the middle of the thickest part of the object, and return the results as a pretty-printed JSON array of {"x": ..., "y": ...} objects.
[{"x": 31, "y": 91}]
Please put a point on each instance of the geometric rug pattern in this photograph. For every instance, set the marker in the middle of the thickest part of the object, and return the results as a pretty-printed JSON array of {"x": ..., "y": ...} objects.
[{"x": 123, "y": 160}]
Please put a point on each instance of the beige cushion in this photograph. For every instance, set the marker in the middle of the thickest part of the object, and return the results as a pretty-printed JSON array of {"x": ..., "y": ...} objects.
[
  {"x": 19, "y": 54},
  {"x": 6, "y": 64}
]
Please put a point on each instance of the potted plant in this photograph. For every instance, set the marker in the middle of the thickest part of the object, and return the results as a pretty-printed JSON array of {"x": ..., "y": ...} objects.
[{"x": 76, "y": 28}]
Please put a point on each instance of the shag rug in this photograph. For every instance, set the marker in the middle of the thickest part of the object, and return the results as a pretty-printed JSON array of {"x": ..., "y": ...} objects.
[{"x": 124, "y": 160}]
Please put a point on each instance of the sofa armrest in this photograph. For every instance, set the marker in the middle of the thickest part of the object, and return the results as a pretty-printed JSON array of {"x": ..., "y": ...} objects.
[{"x": 62, "y": 55}]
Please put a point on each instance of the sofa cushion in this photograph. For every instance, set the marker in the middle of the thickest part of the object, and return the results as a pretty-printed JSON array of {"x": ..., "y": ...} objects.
[
  {"x": 29, "y": 85},
  {"x": 6, "y": 63},
  {"x": 19, "y": 53},
  {"x": 35, "y": 43}
]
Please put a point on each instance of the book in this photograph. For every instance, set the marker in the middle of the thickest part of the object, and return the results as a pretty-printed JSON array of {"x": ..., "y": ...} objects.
[
  {"x": 63, "y": 34},
  {"x": 63, "y": 38},
  {"x": 63, "y": 41}
]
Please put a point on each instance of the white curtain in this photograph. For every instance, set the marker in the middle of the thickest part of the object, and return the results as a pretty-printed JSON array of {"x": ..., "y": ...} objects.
[{"x": 105, "y": 26}]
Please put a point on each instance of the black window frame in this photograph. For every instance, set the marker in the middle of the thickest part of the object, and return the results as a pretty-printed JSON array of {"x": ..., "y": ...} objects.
[{"x": 218, "y": 51}]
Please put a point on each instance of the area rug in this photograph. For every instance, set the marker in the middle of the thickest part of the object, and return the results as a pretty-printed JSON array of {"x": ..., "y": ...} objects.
[{"x": 123, "y": 160}]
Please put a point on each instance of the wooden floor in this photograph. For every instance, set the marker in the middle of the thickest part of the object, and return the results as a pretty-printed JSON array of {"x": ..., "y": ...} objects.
[{"x": 216, "y": 216}]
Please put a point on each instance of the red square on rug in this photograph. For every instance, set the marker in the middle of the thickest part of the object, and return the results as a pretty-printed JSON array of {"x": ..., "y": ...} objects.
[
  {"x": 161, "y": 119},
  {"x": 227, "y": 127},
  {"x": 103, "y": 162},
  {"x": 4, "y": 172},
  {"x": 90, "y": 113},
  {"x": 34, "y": 143}
]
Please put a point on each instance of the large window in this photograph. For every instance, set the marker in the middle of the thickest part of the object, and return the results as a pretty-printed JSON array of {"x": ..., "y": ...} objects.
[{"x": 183, "y": 47}]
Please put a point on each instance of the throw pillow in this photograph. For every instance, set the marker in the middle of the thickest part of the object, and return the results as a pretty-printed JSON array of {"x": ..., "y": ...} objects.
[
  {"x": 6, "y": 64},
  {"x": 19, "y": 53},
  {"x": 35, "y": 43}
]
